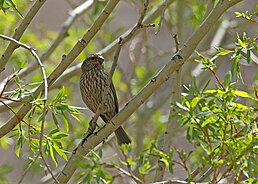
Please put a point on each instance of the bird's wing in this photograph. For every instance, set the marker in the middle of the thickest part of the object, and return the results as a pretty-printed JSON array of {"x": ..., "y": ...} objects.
[{"x": 115, "y": 97}]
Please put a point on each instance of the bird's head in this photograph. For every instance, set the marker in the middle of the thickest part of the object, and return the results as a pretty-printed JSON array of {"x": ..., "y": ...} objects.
[{"x": 93, "y": 61}]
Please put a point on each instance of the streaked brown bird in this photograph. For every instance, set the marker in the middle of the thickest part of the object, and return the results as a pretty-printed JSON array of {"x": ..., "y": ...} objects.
[{"x": 92, "y": 84}]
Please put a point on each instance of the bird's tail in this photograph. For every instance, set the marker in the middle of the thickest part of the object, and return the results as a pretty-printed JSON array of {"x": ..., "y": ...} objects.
[{"x": 122, "y": 137}]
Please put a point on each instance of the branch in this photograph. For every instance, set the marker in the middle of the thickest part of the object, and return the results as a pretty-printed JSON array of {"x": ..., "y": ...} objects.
[
  {"x": 172, "y": 122},
  {"x": 74, "y": 70},
  {"x": 138, "y": 100},
  {"x": 76, "y": 50},
  {"x": 65, "y": 175},
  {"x": 74, "y": 15},
  {"x": 19, "y": 32},
  {"x": 32, "y": 51},
  {"x": 164, "y": 5}
]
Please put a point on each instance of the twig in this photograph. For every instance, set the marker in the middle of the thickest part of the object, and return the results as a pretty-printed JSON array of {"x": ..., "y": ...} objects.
[
  {"x": 73, "y": 16},
  {"x": 7, "y": 81},
  {"x": 48, "y": 168},
  {"x": 172, "y": 122},
  {"x": 32, "y": 51},
  {"x": 164, "y": 5},
  {"x": 176, "y": 42},
  {"x": 19, "y": 32},
  {"x": 111, "y": 47},
  {"x": 76, "y": 50},
  {"x": 129, "y": 174},
  {"x": 154, "y": 84},
  {"x": 28, "y": 168},
  {"x": 121, "y": 42}
]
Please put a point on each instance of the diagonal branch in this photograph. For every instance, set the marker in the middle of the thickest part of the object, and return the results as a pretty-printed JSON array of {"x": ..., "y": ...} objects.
[
  {"x": 154, "y": 84},
  {"x": 76, "y": 50},
  {"x": 74, "y": 15}
]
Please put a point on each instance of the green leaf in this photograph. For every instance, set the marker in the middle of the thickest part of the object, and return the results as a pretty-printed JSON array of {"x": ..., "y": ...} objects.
[
  {"x": 11, "y": 4},
  {"x": 144, "y": 169},
  {"x": 55, "y": 120},
  {"x": 165, "y": 161},
  {"x": 208, "y": 121},
  {"x": 52, "y": 154},
  {"x": 18, "y": 151},
  {"x": 60, "y": 151},
  {"x": 195, "y": 101},
  {"x": 223, "y": 52},
  {"x": 240, "y": 43},
  {"x": 242, "y": 94},
  {"x": 130, "y": 161},
  {"x": 238, "y": 14},
  {"x": 140, "y": 71},
  {"x": 65, "y": 120},
  {"x": 59, "y": 135},
  {"x": 227, "y": 78}
]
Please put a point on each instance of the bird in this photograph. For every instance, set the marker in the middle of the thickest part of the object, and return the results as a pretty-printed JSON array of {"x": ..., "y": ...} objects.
[{"x": 92, "y": 84}]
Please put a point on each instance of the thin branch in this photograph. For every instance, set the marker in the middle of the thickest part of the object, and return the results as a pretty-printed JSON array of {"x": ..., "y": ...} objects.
[
  {"x": 172, "y": 122},
  {"x": 74, "y": 70},
  {"x": 66, "y": 61},
  {"x": 155, "y": 83},
  {"x": 19, "y": 32},
  {"x": 32, "y": 51},
  {"x": 135, "y": 178},
  {"x": 164, "y": 5},
  {"x": 28, "y": 168},
  {"x": 48, "y": 168},
  {"x": 73, "y": 16}
]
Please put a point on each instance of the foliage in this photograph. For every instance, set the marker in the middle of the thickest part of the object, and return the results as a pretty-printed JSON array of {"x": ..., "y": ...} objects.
[
  {"x": 220, "y": 120},
  {"x": 5, "y": 5}
]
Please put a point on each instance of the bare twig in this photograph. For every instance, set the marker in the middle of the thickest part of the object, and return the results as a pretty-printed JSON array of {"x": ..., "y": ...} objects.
[
  {"x": 73, "y": 16},
  {"x": 74, "y": 70},
  {"x": 121, "y": 42},
  {"x": 19, "y": 32},
  {"x": 28, "y": 168},
  {"x": 164, "y": 5},
  {"x": 154, "y": 84},
  {"x": 48, "y": 168},
  {"x": 176, "y": 42},
  {"x": 129, "y": 174},
  {"x": 76, "y": 50},
  {"x": 172, "y": 122}
]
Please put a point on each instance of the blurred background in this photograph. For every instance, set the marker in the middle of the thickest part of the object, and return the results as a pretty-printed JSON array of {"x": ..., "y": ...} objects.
[{"x": 140, "y": 59}]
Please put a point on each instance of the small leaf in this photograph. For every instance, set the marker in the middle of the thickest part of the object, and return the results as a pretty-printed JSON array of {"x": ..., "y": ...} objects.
[
  {"x": 240, "y": 43},
  {"x": 130, "y": 161},
  {"x": 60, "y": 151},
  {"x": 238, "y": 14},
  {"x": 55, "y": 120},
  {"x": 65, "y": 120},
  {"x": 165, "y": 161},
  {"x": 11, "y": 4},
  {"x": 242, "y": 94},
  {"x": 195, "y": 101},
  {"x": 52, "y": 154},
  {"x": 227, "y": 78},
  {"x": 59, "y": 135}
]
